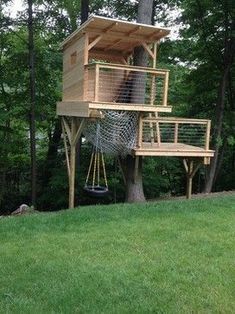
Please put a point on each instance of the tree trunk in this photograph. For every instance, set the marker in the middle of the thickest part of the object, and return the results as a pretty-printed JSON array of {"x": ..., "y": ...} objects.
[
  {"x": 220, "y": 105},
  {"x": 84, "y": 17},
  {"x": 84, "y": 10},
  {"x": 32, "y": 103},
  {"x": 134, "y": 182},
  {"x": 134, "y": 185}
]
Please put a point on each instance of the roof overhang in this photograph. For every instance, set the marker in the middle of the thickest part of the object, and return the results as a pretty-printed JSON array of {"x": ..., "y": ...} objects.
[{"x": 116, "y": 35}]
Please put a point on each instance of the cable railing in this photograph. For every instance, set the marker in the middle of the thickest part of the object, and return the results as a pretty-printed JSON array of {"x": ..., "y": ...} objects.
[
  {"x": 158, "y": 131},
  {"x": 126, "y": 84}
]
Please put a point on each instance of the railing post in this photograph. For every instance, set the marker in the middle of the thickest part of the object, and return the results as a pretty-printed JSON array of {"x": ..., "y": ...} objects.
[
  {"x": 97, "y": 74},
  {"x": 165, "y": 93},
  {"x": 85, "y": 85},
  {"x": 207, "y": 137},
  {"x": 152, "y": 90},
  {"x": 158, "y": 133},
  {"x": 176, "y": 133}
]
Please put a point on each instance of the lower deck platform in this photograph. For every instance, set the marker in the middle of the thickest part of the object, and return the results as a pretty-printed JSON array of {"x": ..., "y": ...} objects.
[
  {"x": 172, "y": 149},
  {"x": 86, "y": 109}
]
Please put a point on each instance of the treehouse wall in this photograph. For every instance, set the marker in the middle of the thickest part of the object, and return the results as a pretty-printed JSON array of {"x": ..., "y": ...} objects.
[{"x": 75, "y": 56}]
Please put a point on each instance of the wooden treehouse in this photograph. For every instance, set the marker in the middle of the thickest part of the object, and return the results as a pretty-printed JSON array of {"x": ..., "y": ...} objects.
[{"x": 98, "y": 77}]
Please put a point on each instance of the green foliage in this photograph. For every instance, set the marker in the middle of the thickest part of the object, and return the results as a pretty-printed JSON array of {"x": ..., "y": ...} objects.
[{"x": 169, "y": 257}]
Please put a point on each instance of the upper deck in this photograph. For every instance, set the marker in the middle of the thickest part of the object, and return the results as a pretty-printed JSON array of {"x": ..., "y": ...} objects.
[{"x": 97, "y": 73}]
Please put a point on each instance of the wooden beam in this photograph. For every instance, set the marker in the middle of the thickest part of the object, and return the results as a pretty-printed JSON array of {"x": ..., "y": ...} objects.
[
  {"x": 178, "y": 120},
  {"x": 125, "y": 36},
  {"x": 185, "y": 165},
  {"x": 78, "y": 132},
  {"x": 153, "y": 79},
  {"x": 165, "y": 93},
  {"x": 206, "y": 161},
  {"x": 128, "y": 107},
  {"x": 155, "y": 55},
  {"x": 67, "y": 129},
  {"x": 112, "y": 55},
  {"x": 158, "y": 133},
  {"x": 192, "y": 174},
  {"x": 191, "y": 170},
  {"x": 86, "y": 49},
  {"x": 149, "y": 51},
  {"x": 94, "y": 42},
  {"x": 149, "y": 37},
  {"x": 78, "y": 108},
  {"x": 66, "y": 149},
  {"x": 107, "y": 29},
  {"x": 176, "y": 131},
  {"x": 165, "y": 152},
  {"x": 134, "y": 30},
  {"x": 99, "y": 37},
  {"x": 112, "y": 45},
  {"x": 72, "y": 164},
  {"x": 207, "y": 136},
  {"x": 160, "y": 72},
  {"x": 124, "y": 61},
  {"x": 97, "y": 74}
]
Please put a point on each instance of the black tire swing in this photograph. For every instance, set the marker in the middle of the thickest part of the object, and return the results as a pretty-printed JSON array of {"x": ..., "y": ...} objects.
[{"x": 95, "y": 170}]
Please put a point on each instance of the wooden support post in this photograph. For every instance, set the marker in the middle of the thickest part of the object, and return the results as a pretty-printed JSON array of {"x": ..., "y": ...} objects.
[
  {"x": 97, "y": 74},
  {"x": 190, "y": 173},
  {"x": 158, "y": 133},
  {"x": 72, "y": 163},
  {"x": 71, "y": 134},
  {"x": 207, "y": 135},
  {"x": 66, "y": 147},
  {"x": 152, "y": 89},
  {"x": 165, "y": 93},
  {"x": 176, "y": 132},
  {"x": 153, "y": 92}
]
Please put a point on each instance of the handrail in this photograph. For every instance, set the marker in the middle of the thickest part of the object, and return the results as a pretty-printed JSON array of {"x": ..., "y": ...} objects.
[
  {"x": 160, "y": 121},
  {"x": 127, "y": 67},
  {"x": 151, "y": 76},
  {"x": 175, "y": 119}
]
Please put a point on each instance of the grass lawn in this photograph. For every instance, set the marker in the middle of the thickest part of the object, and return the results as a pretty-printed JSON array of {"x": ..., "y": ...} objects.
[{"x": 166, "y": 257}]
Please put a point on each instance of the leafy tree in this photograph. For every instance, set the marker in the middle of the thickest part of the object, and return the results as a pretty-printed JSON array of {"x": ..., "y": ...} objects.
[{"x": 208, "y": 45}]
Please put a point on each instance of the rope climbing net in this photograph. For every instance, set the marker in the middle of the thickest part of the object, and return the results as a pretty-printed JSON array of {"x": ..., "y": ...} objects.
[{"x": 117, "y": 132}]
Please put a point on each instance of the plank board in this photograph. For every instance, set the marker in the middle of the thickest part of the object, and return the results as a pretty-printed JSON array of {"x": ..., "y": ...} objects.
[
  {"x": 172, "y": 149},
  {"x": 73, "y": 109},
  {"x": 86, "y": 109},
  {"x": 129, "y": 107}
]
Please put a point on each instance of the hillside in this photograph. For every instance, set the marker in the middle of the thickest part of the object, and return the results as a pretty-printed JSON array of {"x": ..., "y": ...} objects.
[{"x": 171, "y": 257}]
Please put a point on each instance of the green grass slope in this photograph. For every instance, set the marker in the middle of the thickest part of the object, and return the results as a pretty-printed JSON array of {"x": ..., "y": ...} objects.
[{"x": 167, "y": 257}]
